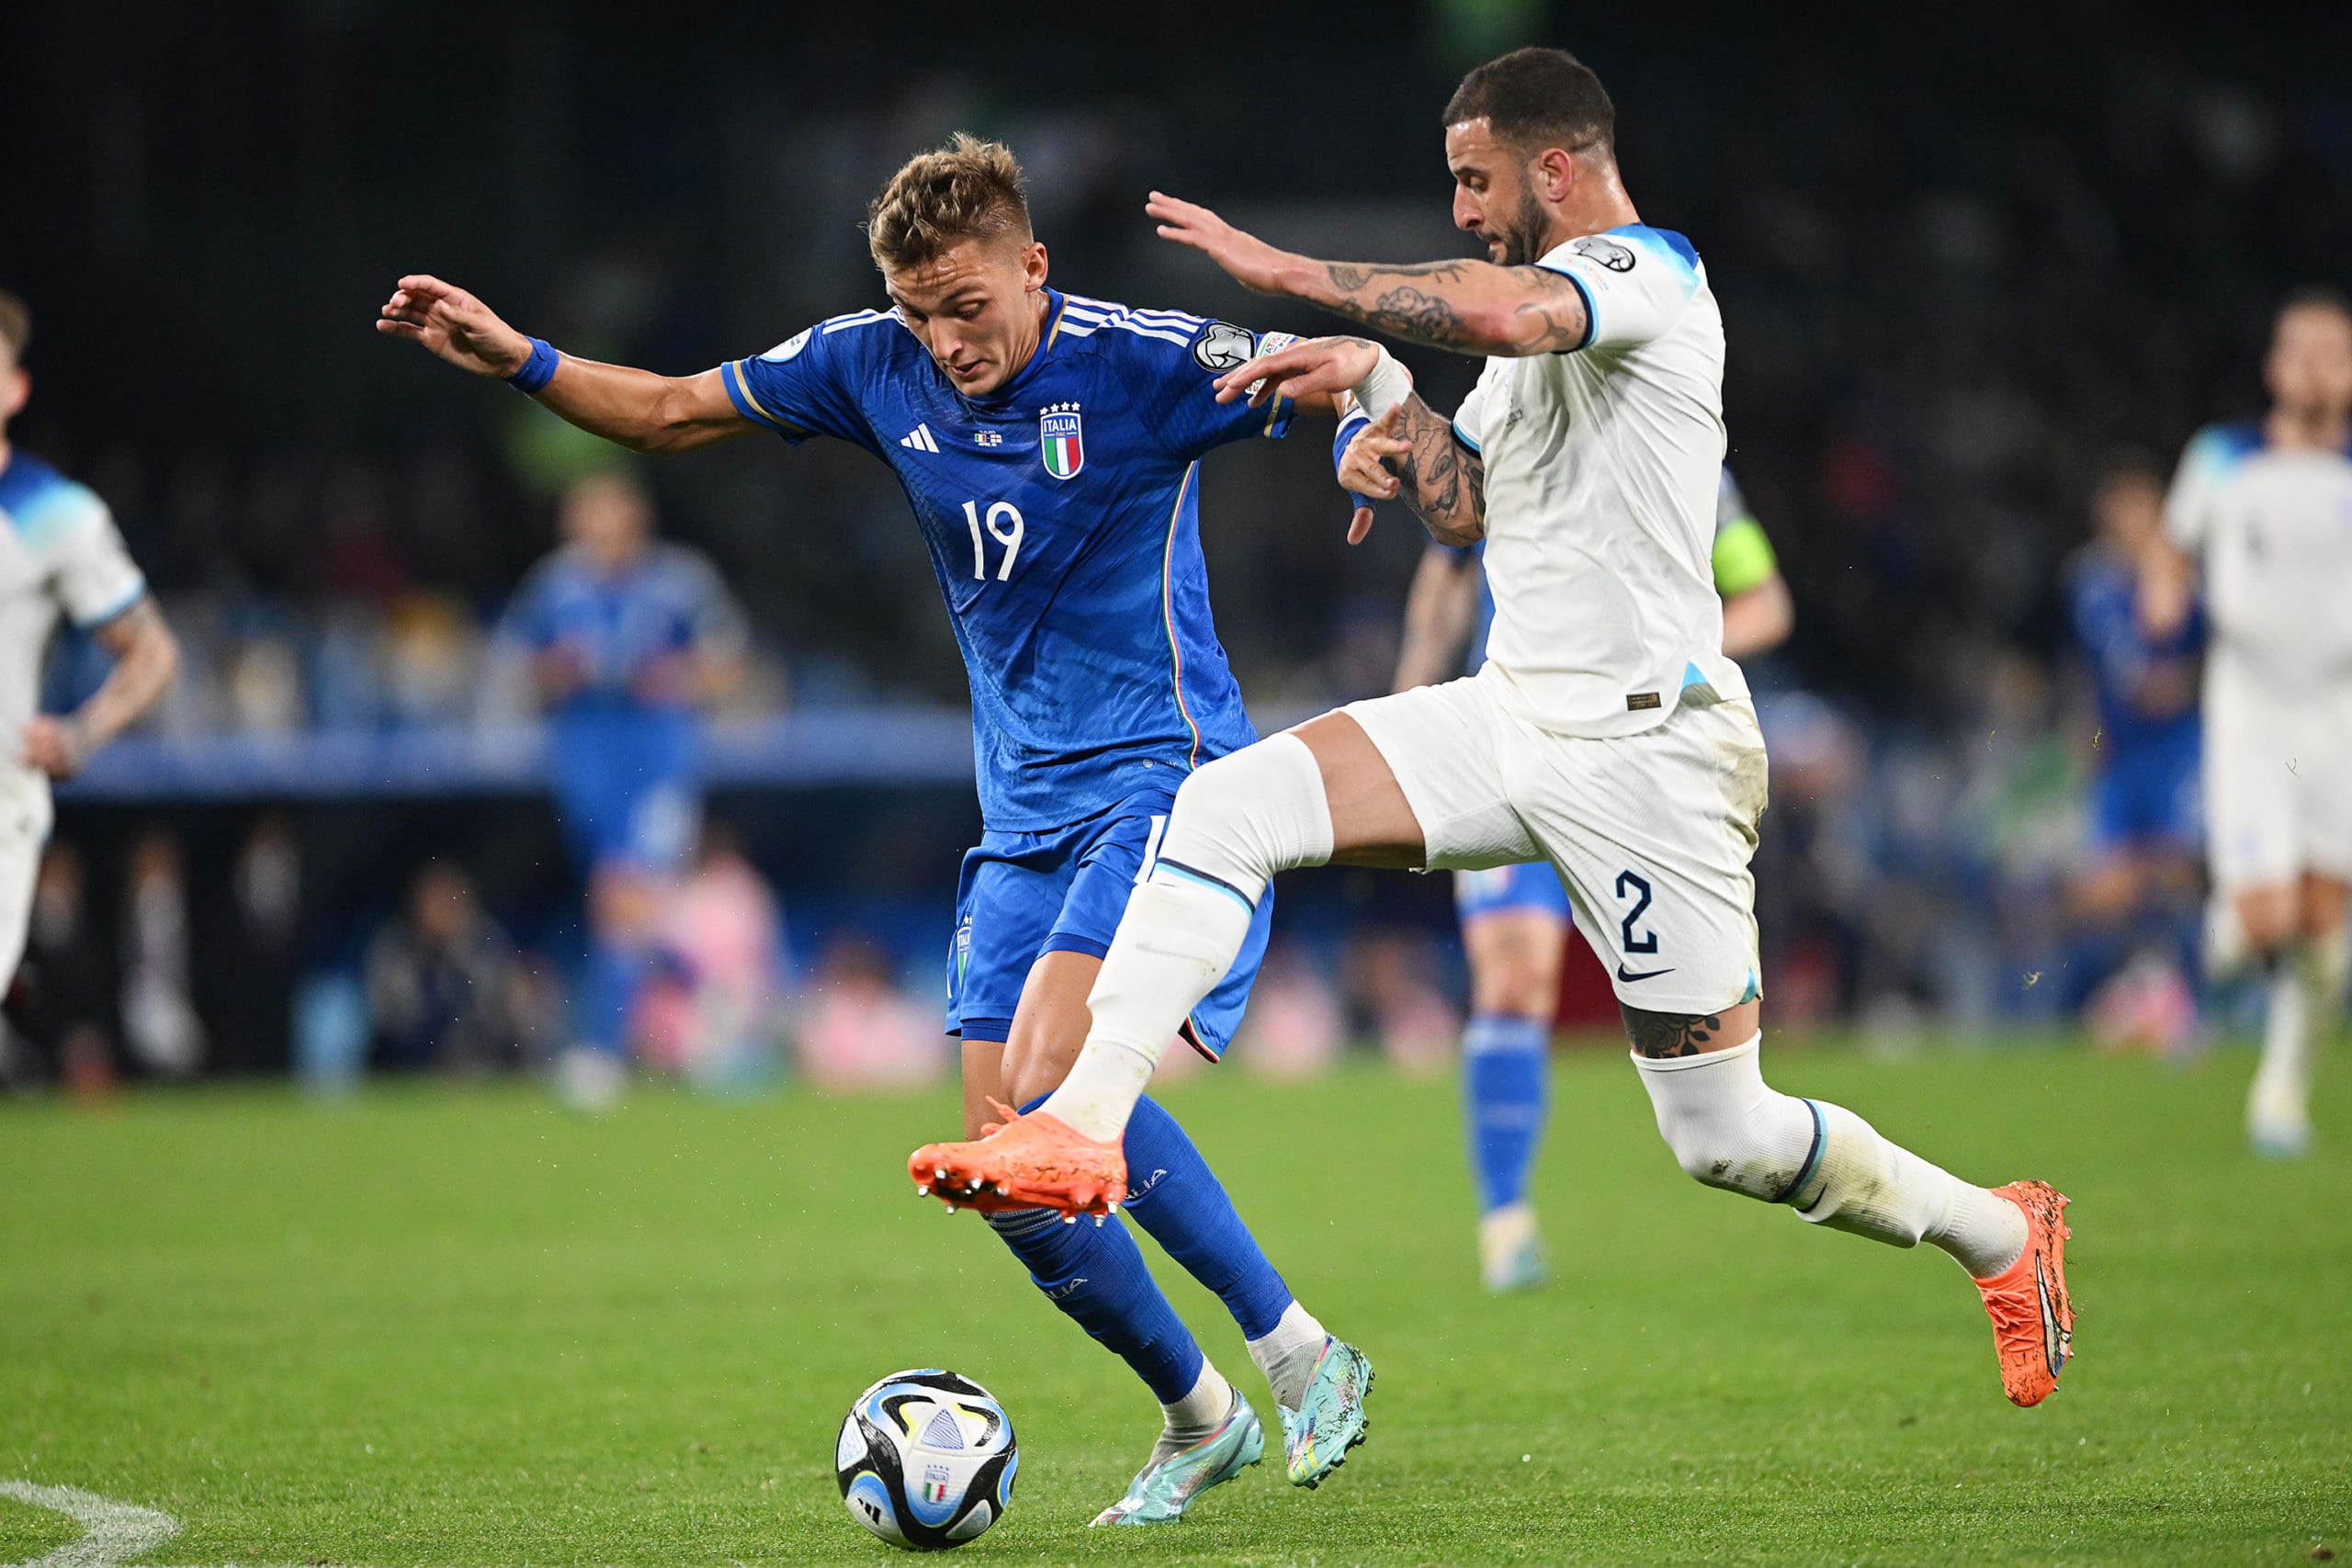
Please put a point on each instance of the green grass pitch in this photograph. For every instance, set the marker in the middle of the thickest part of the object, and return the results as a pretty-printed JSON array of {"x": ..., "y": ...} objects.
[{"x": 455, "y": 1327}]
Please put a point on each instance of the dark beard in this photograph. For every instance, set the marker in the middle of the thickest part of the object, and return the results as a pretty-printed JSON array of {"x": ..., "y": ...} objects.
[{"x": 1523, "y": 239}]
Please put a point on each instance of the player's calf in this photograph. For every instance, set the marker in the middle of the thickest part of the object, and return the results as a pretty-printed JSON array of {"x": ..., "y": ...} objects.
[{"x": 1729, "y": 1129}]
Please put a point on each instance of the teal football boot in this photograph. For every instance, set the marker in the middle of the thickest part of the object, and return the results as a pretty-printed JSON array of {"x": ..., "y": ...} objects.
[
  {"x": 1164, "y": 1489},
  {"x": 1330, "y": 1418}
]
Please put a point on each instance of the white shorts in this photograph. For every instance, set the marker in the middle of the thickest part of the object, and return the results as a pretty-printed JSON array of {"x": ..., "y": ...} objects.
[
  {"x": 1651, "y": 832},
  {"x": 2278, "y": 781},
  {"x": 24, "y": 816}
]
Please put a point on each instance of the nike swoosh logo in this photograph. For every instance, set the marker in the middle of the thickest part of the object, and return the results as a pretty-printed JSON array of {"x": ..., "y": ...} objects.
[
  {"x": 2054, "y": 1347},
  {"x": 1629, "y": 977}
]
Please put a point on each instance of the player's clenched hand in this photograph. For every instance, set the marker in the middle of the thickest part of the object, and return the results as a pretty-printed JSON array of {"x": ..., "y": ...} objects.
[
  {"x": 1318, "y": 365},
  {"x": 55, "y": 745},
  {"x": 1254, "y": 264},
  {"x": 1363, "y": 467},
  {"x": 455, "y": 325}
]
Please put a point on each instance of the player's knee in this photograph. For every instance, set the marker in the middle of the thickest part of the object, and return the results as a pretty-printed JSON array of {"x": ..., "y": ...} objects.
[
  {"x": 2322, "y": 911},
  {"x": 1037, "y": 1075},
  {"x": 2270, "y": 917},
  {"x": 1725, "y": 1127},
  {"x": 1514, "y": 987},
  {"x": 1251, "y": 814}
]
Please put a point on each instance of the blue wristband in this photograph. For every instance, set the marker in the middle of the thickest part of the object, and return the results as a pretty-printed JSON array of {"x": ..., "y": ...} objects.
[
  {"x": 1348, "y": 429},
  {"x": 538, "y": 370}
]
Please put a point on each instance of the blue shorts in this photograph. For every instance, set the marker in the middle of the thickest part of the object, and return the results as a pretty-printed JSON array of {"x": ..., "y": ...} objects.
[
  {"x": 2148, "y": 796},
  {"x": 1024, "y": 894},
  {"x": 625, "y": 788},
  {"x": 1534, "y": 889}
]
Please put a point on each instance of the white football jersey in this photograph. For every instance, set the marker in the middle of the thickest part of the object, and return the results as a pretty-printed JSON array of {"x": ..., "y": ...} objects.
[
  {"x": 58, "y": 551},
  {"x": 1603, "y": 464},
  {"x": 2272, "y": 526}
]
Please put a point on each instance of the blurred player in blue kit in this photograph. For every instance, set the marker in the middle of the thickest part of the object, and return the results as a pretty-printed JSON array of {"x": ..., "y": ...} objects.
[
  {"x": 1049, "y": 446},
  {"x": 2143, "y": 884},
  {"x": 1515, "y": 918},
  {"x": 627, "y": 636}
]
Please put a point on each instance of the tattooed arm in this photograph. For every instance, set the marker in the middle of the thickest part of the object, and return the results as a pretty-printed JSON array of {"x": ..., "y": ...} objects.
[
  {"x": 1409, "y": 453},
  {"x": 1470, "y": 307},
  {"x": 1412, "y": 454}
]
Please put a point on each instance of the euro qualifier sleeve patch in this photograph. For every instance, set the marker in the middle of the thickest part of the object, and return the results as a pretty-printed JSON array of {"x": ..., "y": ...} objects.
[
  {"x": 1606, "y": 252},
  {"x": 1222, "y": 346}
]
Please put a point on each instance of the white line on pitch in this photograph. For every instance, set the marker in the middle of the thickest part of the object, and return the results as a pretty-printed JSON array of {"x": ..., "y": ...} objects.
[{"x": 111, "y": 1531}]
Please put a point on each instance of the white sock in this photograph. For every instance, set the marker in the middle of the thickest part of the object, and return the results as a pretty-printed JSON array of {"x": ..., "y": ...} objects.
[
  {"x": 1876, "y": 1187},
  {"x": 1502, "y": 1233},
  {"x": 1729, "y": 1129},
  {"x": 1236, "y": 822},
  {"x": 1195, "y": 1417},
  {"x": 1287, "y": 1352},
  {"x": 1173, "y": 946},
  {"x": 2279, "y": 1100}
]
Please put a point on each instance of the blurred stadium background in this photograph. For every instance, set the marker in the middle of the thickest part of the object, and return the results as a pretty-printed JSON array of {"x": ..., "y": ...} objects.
[{"x": 1964, "y": 257}]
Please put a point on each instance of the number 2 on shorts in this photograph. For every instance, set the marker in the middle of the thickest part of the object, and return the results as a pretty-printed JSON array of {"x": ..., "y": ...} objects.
[{"x": 1636, "y": 887}]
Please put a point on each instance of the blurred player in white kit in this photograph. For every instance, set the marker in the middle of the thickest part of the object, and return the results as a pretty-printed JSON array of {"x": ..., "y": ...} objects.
[
  {"x": 2260, "y": 514},
  {"x": 58, "y": 553}
]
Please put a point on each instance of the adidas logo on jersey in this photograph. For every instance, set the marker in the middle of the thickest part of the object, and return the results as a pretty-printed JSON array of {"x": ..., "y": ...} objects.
[{"x": 920, "y": 439}]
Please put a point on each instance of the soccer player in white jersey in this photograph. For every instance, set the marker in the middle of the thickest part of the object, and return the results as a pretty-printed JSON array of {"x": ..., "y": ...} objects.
[
  {"x": 2263, "y": 511},
  {"x": 1515, "y": 918},
  {"x": 1607, "y": 732},
  {"x": 59, "y": 552}
]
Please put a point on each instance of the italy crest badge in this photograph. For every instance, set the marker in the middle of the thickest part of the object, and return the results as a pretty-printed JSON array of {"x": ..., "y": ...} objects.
[{"x": 1061, "y": 440}]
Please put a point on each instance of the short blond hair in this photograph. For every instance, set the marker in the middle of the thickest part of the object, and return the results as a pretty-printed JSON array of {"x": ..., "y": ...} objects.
[{"x": 969, "y": 189}]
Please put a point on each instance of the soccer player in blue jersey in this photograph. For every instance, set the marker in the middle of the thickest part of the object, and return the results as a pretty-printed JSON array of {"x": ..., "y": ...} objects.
[
  {"x": 2142, "y": 884},
  {"x": 1515, "y": 918},
  {"x": 626, "y": 637},
  {"x": 1049, "y": 445}
]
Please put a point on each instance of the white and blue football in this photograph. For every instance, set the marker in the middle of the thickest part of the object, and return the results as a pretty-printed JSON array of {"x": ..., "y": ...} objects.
[{"x": 926, "y": 1460}]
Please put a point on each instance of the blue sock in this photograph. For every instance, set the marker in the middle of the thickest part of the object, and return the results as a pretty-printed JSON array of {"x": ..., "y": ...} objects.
[
  {"x": 1172, "y": 1193},
  {"x": 609, "y": 987},
  {"x": 1096, "y": 1275},
  {"x": 1506, "y": 1082}
]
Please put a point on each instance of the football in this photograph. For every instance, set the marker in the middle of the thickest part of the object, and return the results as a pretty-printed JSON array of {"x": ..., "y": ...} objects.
[{"x": 926, "y": 1460}]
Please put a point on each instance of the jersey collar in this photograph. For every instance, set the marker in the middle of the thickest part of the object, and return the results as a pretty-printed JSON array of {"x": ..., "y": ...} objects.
[{"x": 1055, "y": 301}]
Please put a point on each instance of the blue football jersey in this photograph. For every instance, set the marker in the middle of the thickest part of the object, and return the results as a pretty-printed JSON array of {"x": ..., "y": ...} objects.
[
  {"x": 2105, "y": 593},
  {"x": 620, "y": 626},
  {"x": 1062, "y": 512}
]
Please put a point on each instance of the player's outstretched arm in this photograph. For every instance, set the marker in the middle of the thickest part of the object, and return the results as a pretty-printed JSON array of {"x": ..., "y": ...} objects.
[
  {"x": 636, "y": 409},
  {"x": 1470, "y": 307}
]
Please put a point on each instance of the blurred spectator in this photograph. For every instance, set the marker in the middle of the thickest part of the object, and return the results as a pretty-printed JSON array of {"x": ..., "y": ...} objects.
[
  {"x": 160, "y": 1026},
  {"x": 858, "y": 1031},
  {"x": 1295, "y": 1028},
  {"x": 709, "y": 1012},
  {"x": 1390, "y": 979},
  {"x": 250, "y": 959},
  {"x": 445, "y": 987}
]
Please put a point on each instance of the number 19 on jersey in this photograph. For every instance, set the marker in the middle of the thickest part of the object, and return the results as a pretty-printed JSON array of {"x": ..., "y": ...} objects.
[{"x": 1004, "y": 526}]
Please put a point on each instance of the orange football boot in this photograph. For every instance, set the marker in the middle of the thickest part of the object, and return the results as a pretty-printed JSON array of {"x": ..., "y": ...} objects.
[
  {"x": 2033, "y": 1318},
  {"x": 1037, "y": 1161}
]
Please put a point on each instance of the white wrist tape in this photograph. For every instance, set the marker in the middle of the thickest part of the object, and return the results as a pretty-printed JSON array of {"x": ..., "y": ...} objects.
[{"x": 1387, "y": 383}]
